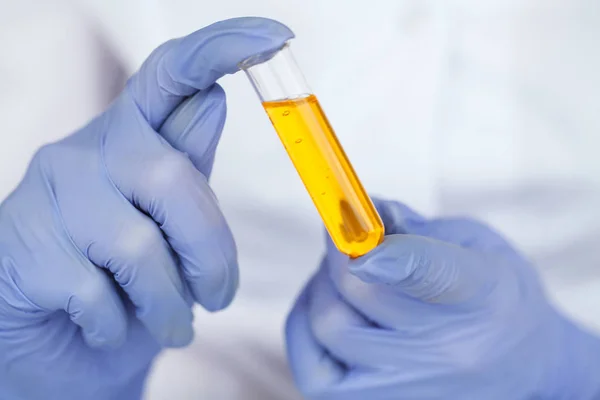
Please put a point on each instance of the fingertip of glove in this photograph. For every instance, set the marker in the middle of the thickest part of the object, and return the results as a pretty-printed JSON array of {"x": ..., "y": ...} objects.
[
  {"x": 397, "y": 217},
  {"x": 389, "y": 263},
  {"x": 365, "y": 271},
  {"x": 215, "y": 293},
  {"x": 96, "y": 341},
  {"x": 223, "y": 299},
  {"x": 241, "y": 38},
  {"x": 178, "y": 338},
  {"x": 268, "y": 25}
]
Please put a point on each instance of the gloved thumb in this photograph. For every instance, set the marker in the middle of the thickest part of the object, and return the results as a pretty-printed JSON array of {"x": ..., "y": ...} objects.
[
  {"x": 427, "y": 269},
  {"x": 175, "y": 87}
]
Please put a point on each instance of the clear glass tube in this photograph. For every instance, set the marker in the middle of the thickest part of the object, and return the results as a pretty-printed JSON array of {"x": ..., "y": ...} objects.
[{"x": 347, "y": 211}]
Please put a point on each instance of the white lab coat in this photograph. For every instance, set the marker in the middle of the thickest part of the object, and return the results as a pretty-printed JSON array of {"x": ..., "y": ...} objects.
[{"x": 489, "y": 109}]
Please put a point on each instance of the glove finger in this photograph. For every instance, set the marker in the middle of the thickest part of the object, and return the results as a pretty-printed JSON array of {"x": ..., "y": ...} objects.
[
  {"x": 132, "y": 247},
  {"x": 378, "y": 303},
  {"x": 98, "y": 310},
  {"x": 83, "y": 291},
  {"x": 400, "y": 219},
  {"x": 427, "y": 270},
  {"x": 313, "y": 368},
  {"x": 36, "y": 348},
  {"x": 195, "y": 126},
  {"x": 397, "y": 217},
  {"x": 317, "y": 374},
  {"x": 164, "y": 184},
  {"x": 345, "y": 333},
  {"x": 181, "y": 67},
  {"x": 114, "y": 235}
]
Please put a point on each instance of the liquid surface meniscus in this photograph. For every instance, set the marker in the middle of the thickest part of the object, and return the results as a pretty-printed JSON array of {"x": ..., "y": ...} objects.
[{"x": 347, "y": 211}]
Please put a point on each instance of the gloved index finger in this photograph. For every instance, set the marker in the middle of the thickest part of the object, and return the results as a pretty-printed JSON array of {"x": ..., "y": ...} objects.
[
  {"x": 469, "y": 233},
  {"x": 183, "y": 66},
  {"x": 428, "y": 270}
]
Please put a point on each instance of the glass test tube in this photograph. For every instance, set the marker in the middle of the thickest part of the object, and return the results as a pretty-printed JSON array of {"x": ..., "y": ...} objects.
[{"x": 347, "y": 211}]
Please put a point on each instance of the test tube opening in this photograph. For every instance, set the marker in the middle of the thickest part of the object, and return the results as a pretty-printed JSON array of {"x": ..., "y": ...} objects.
[{"x": 276, "y": 75}]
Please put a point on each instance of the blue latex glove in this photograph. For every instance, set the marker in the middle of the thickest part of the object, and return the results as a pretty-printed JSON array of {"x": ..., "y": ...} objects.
[
  {"x": 114, "y": 231},
  {"x": 442, "y": 309}
]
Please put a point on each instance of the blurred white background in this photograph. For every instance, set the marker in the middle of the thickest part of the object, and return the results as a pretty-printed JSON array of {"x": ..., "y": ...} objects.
[{"x": 486, "y": 108}]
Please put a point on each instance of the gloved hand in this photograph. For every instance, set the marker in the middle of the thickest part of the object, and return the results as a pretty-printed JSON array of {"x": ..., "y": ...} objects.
[
  {"x": 442, "y": 309},
  {"x": 114, "y": 232}
]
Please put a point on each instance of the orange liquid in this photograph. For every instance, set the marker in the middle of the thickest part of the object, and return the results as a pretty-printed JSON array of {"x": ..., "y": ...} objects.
[{"x": 346, "y": 209}]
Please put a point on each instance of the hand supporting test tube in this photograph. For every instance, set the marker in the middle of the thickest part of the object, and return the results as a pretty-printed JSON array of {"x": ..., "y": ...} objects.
[{"x": 345, "y": 208}]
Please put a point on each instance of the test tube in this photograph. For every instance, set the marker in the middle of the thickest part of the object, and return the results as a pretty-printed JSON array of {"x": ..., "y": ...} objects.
[{"x": 343, "y": 204}]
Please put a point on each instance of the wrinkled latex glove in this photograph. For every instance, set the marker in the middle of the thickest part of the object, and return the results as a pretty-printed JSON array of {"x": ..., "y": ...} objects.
[
  {"x": 442, "y": 309},
  {"x": 114, "y": 232}
]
